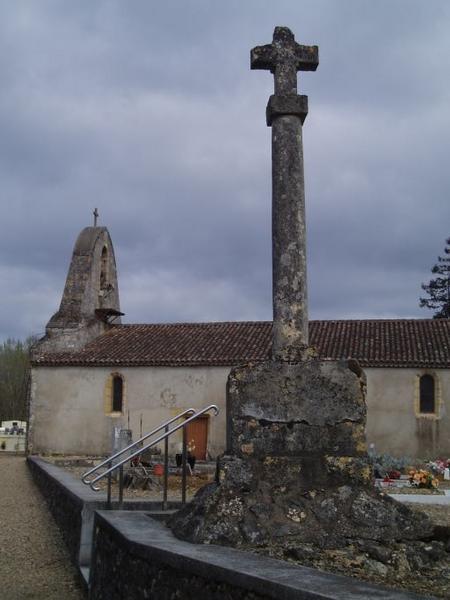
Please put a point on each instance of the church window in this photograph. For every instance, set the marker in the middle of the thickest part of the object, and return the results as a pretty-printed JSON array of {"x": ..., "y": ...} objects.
[
  {"x": 104, "y": 269},
  {"x": 115, "y": 395},
  {"x": 426, "y": 394}
]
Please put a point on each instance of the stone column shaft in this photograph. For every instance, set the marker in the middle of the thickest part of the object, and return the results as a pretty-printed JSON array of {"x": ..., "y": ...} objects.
[{"x": 290, "y": 313}]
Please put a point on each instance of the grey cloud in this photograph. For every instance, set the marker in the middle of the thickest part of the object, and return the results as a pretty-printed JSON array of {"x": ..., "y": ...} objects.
[{"x": 153, "y": 115}]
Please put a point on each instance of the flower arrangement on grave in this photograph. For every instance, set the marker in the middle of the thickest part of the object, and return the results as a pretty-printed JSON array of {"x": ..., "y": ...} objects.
[
  {"x": 423, "y": 479},
  {"x": 394, "y": 474},
  {"x": 385, "y": 465},
  {"x": 439, "y": 465}
]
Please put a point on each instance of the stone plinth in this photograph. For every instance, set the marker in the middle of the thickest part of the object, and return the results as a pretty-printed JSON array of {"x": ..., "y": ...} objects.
[{"x": 306, "y": 409}]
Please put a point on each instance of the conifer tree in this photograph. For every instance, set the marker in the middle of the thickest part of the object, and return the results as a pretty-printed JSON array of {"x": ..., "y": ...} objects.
[{"x": 438, "y": 289}]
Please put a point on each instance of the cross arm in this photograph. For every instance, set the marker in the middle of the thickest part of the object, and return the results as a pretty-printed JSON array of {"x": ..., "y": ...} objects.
[
  {"x": 263, "y": 57},
  {"x": 307, "y": 58},
  {"x": 304, "y": 58}
]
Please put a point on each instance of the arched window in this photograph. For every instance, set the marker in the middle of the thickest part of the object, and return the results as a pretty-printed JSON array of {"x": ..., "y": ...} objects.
[
  {"x": 426, "y": 394},
  {"x": 117, "y": 394},
  {"x": 104, "y": 269}
]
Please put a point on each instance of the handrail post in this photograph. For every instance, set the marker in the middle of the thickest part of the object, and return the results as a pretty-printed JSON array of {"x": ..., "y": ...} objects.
[
  {"x": 133, "y": 445},
  {"x": 119, "y": 465},
  {"x": 183, "y": 467},
  {"x": 108, "y": 492},
  {"x": 166, "y": 468},
  {"x": 120, "y": 487}
]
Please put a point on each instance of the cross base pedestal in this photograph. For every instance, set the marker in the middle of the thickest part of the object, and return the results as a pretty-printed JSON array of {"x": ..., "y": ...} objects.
[{"x": 296, "y": 471}]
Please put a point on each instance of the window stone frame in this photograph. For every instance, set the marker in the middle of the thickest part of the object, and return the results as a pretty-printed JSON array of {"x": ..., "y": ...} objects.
[
  {"x": 436, "y": 414},
  {"x": 108, "y": 397}
]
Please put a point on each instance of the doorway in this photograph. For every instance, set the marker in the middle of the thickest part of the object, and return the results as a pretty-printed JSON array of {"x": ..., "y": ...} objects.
[{"x": 197, "y": 431}]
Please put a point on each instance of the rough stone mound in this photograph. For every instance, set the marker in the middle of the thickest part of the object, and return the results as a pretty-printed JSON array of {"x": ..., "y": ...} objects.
[
  {"x": 263, "y": 503},
  {"x": 296, "y": 471}
]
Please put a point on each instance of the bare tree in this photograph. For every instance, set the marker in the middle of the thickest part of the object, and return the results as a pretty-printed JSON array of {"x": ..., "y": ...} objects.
[{"x": 14, "y": 372}]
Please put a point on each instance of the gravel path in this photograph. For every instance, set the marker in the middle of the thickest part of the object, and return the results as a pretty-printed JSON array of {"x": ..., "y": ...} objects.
[{"x": 34, "y": 562}]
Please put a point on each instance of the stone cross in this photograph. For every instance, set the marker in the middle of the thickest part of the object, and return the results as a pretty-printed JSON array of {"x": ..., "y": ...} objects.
[
  {"x": 286, "y": 112},
  {"x": 95, "y": 213},
  {"x": 284, "y": 57}
]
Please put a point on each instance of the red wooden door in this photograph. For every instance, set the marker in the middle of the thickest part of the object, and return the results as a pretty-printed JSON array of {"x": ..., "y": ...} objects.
[{"x": 197, "y": 435}]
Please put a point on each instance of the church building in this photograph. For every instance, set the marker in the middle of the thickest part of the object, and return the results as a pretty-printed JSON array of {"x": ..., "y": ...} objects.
[{"x": 91, "y": 374}]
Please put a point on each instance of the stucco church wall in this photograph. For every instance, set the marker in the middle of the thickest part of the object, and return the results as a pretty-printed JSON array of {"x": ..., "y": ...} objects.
[
  {"x": 394, "y": 423},
  {"x": 68, "y": 408},
  {"x": 68, "y": 405}
]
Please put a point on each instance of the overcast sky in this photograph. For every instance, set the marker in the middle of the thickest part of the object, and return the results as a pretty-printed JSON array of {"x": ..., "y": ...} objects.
[{"x": 149, "y": 111}]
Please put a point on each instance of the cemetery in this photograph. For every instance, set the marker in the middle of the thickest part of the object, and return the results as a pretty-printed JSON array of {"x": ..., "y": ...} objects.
[
  {"x": 12, "y": 436},
  {"x": 297, "y": 506}
]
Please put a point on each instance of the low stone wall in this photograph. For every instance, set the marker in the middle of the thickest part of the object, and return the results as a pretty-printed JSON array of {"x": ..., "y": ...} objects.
[
  {"x": 72, "y": 505},
  {"x": 137, "y": 557}
]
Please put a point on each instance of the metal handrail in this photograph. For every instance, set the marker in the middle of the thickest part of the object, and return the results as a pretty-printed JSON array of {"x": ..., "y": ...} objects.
[
  {"x": 139, "y": 441},
  {"x": 144, "y": 448}
]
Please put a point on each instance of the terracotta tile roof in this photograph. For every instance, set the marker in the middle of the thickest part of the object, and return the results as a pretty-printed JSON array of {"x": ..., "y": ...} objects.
[
  {"x": 183, "y": 344},
  {"x": 385, "y": 343},
  {"x": 375, "y": 343}
]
